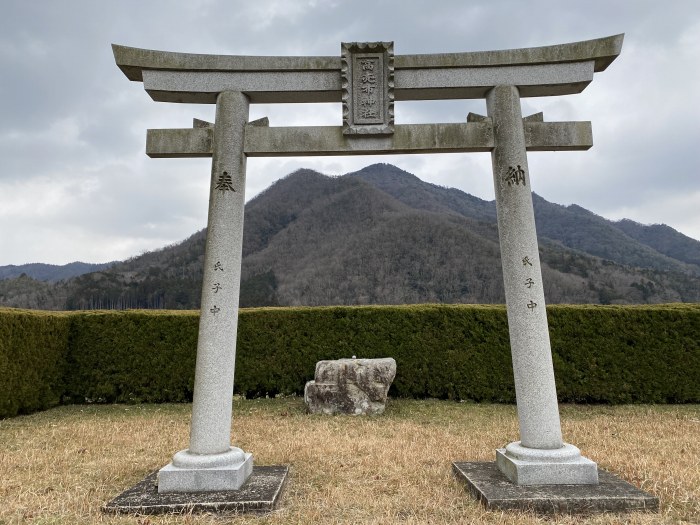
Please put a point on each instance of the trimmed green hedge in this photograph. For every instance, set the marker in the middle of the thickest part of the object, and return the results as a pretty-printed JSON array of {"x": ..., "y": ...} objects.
[
  {"x": 602, "y": 354},
  {"x": 138, "y": 356},
  {"x": 626, "y": 354},
  {"x": 457, "y": 352},
  {"x": 33, "y": 350}
]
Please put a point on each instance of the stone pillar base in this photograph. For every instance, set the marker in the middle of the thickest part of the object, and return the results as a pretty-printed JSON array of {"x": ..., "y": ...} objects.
[
  {"x": 531, "y": 466},
  {"x": 205, "y": 473}
]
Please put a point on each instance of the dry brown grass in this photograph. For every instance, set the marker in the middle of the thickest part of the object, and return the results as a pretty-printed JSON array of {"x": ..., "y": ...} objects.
[{"x": 60, "y": 466}]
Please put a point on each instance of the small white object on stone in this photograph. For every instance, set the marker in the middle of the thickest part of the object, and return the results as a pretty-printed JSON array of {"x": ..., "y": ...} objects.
[{"x": 350, "y": 386}]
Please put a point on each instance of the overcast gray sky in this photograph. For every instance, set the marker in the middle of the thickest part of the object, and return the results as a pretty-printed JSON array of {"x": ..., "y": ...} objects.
[{"x": 75, "y": 183}]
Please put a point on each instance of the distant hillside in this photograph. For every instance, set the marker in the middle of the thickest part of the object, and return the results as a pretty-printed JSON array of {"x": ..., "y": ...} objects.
[
  {"x": 344, "y": 241},
  {"x": 626, "y": 242},
  {"x": 415, "y": 193},
  {"x": 50, "y": 272},
  {"x": 663, "y": 239},
  {"x": 383, "y": 236},
  {"x": 578, "y": 228}
]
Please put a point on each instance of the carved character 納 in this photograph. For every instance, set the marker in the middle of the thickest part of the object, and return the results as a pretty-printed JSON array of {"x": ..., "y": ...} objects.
[{"x": 515, "y": 176}]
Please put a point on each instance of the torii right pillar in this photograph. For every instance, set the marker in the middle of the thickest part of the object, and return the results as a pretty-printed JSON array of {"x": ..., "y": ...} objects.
[{"x": 540, "y": 457}]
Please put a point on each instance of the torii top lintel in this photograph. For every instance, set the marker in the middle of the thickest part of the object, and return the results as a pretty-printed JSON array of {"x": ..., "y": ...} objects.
[{"x": 198, "y": 78}]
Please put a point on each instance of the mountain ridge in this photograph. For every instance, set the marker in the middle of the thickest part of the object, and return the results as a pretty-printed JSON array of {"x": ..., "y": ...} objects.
[
  {"x": 51, "y": 272},
  {"x": 381, "y": 235}
]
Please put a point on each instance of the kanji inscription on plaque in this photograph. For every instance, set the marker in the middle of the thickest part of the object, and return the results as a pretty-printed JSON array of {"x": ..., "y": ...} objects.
[{"x": 368, "y": 88}]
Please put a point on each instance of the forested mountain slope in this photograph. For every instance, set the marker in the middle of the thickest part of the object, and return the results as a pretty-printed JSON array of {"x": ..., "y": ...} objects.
[{"x": 383, "y": 236}]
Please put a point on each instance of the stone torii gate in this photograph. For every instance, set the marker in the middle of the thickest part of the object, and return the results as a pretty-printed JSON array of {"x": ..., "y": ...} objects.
[{"x": 367, "y": 78}]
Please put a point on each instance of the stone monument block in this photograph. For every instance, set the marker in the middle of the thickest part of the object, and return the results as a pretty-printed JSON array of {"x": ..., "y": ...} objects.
[{"x": 350, "y": 386}]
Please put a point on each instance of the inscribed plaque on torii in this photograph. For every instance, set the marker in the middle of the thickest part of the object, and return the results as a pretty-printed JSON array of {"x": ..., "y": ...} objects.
[{"x": 368, "y": 88}]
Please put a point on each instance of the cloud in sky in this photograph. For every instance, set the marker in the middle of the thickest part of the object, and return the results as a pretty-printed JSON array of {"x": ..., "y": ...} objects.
[{"x": 75, "y": 183}]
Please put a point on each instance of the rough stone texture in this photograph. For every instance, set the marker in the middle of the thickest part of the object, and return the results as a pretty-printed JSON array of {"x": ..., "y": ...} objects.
[
  {"x": 541, "y": 447},
  {"x": 132, "y": 61},
  {"x": 201, "y": 87},
  {"x": 490, "y": 486},
  {"x": 218, "y": 325},
  {"x": 407, "y": 138},
  {"x": 538, "y": 411},
  {"x": 193, "y": 478},
  {"x": 260, "y": 494},
  {"x": 179, "y": 143},
  {"x": 350, "y": 386},
  {"x": 367, "y": 79},
  {"x": 210, "y": 431},
  {"x": 565, "y": 467},
  {"x": 540, "y": 71}
]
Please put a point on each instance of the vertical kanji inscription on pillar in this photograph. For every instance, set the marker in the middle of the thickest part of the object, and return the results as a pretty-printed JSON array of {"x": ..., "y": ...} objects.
[{"x": 368, "y": 88}]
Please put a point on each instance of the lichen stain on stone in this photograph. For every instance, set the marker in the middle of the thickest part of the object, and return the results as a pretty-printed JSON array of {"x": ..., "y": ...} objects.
[{"x": 350, "y": 386}]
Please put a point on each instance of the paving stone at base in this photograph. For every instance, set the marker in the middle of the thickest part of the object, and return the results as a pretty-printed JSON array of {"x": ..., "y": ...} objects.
[
  {"x": 260, "y": 494},
  {"x": 612, "y": 494}
]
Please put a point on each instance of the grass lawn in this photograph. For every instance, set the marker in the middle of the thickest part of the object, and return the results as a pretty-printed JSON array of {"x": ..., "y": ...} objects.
[{"x": 61, "y": 465}]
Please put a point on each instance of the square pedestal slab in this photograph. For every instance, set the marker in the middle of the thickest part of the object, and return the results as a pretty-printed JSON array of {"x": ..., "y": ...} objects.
[
  {"x": 176, "y": 479},
  {"x": 583, "y": 471},
  {"x": 260, "y": 494},
  {"x": 612, "y": 494}
]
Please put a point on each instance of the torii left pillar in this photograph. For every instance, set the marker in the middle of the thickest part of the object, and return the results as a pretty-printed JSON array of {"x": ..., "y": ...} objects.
[{"x": 211, "y": 463}]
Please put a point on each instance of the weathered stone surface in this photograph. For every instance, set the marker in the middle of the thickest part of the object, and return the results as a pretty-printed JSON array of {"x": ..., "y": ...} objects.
[
  {"x": 185, "y": 474},
  {"x": 261, "y": 493},
  {"x": 295, "y": 141},
  {"x": 210, "y": 463},
  {"x": 350, "y": 386},
  {"x": 201, "y": 87},
  {"x": 539, "y": 71},
  {"x": 535, "y": 390},
  {"x": 490, "y": 486},
  {"x": 541, "y": 452},
  {"x": 367, "y": 73},
  {"x": 134, "y": 61},
  {"x": 560, "y": 466}
]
